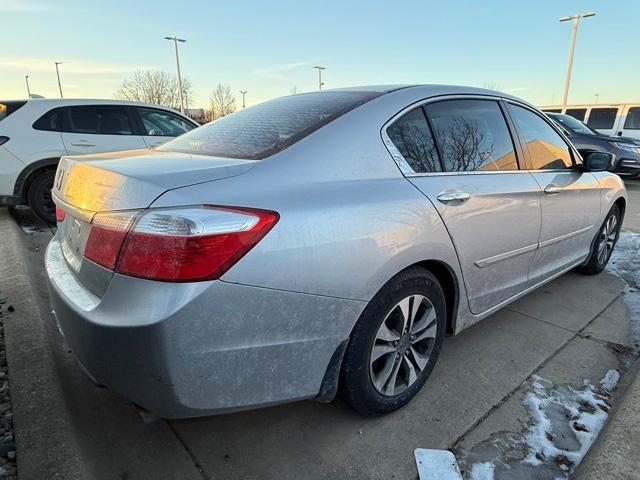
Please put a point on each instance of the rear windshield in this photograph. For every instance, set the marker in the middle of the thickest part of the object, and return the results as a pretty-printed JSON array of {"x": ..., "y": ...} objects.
[
  {"x": 257, "y": 132},
  {"x": 7, "y": 108}
]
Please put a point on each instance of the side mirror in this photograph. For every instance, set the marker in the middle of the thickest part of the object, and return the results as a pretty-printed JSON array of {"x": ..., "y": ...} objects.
[{"x": 597, "y": 161}]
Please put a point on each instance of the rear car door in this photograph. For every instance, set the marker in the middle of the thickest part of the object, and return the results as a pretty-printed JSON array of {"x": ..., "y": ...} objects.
[
  {"x": 570, "y": 198},
  {"x": 99, "y": 128},
  {"x": 603, "y": 119},
  {"x": 159, "y": 126},
  {"x": 631, "y": 125},
  {"x": 462, "y": 157}
]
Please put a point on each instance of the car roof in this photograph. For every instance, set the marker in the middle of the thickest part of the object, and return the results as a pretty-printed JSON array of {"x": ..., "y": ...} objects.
[
  {"x": 430, "y": 90},
  {"x": 63, "y": 102}
]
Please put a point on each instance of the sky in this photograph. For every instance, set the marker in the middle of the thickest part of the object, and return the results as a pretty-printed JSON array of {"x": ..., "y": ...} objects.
[{"x": 269, "y": 47}]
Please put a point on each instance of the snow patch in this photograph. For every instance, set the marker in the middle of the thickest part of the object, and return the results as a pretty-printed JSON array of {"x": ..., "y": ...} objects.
[
  {"x": 625, "y": 263},
  {"x": 586, "y": 413},
  {"x": 482, "y": 471},
  {"x": 610, "y": 380}
]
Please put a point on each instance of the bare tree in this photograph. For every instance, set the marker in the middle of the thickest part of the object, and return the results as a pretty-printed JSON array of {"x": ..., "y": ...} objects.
[
  {"x": 221, "y": 103},
  {"x": 153, "y": 86}
]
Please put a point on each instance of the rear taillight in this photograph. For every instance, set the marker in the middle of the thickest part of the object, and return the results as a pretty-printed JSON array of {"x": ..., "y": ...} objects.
[
  {"x": 178, "y": 244},
  {"x": 59, "y": 214}
]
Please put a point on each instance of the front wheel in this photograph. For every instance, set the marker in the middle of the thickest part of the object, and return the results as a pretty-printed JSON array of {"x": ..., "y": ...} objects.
[
  {"x": 604, "y": 243},
  {"x": 395, "y": 344}
]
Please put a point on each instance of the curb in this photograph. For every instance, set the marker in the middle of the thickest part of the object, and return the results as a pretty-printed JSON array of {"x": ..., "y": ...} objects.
[
  {"x": 45, "y": 440},
  {"x": 615, "y": 454}
]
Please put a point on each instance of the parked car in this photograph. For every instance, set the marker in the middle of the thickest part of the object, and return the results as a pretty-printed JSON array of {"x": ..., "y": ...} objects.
[
  {"x": 620, "y": 120},
  {"x": 626, "y": 151},
  {"x": 318, "y": 241},
  {"x": 35, "y": 133}
]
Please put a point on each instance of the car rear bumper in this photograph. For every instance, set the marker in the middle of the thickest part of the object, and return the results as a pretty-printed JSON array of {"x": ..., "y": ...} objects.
[{"x": 191, "y": 349}]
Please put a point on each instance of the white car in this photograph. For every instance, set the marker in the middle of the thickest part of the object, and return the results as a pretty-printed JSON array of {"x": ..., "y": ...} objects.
[{"x": 35, "y": 133}]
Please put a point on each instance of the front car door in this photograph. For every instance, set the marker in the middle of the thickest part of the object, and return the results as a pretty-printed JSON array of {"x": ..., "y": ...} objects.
[
  {"x": 570, "y": 198},
  {"x": 465, "y": 162},
  {"x": 99, "y": 128},
  {"x": 159, "y": 126}
]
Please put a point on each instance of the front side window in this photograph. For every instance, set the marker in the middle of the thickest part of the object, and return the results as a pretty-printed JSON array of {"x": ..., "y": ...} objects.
[
  {"x": 577, "y": 113},
  {"x": 603, "y": 118},
  {"x": 257, "y": 132},
  {"x": 50, "y": 121},
  {"x": 162, "y": 123},
  {"x": 412, "y": 137},
  {"x": 633, "y": 119},
  {"x": 100, "y": 120},
  {"x": 547, "y": 149},
  {"x": 472, "y": 135}
]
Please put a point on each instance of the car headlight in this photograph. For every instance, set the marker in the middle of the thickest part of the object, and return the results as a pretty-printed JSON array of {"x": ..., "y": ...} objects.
[{"x": 629, "y": 147}]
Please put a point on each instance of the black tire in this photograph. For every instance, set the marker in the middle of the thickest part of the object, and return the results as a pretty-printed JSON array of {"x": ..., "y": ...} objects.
[
  {"x": 39, "y": 196},
  {"x": 356, "y": 381},
  {"x": 597, "y": 263}
]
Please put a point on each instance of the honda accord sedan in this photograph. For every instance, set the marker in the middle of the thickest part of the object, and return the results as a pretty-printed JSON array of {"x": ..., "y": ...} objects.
[{"x": 318, "y": 243}]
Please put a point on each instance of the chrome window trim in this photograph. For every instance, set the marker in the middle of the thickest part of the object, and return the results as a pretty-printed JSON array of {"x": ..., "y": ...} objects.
[{"x": 402, "y": 163}]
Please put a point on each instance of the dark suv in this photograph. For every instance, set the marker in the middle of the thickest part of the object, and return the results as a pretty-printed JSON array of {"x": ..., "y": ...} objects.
[{"x": 626, "y": 150}]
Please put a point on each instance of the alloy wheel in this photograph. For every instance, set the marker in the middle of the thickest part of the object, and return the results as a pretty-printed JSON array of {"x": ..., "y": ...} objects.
[
  {"x": 403, "y": 344},
  {"x": 607, "y": 239}
]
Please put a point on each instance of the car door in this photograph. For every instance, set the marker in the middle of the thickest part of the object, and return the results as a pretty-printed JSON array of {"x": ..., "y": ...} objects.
[
  {"x": 570, "y": 198},
  {"x": 99, "y": 128},
  {"x": 631, "y": 125},
  {"x": 159, "y": 126},
  {"x": 463, "y": 159},
  {"x": 603, "y": 119}
]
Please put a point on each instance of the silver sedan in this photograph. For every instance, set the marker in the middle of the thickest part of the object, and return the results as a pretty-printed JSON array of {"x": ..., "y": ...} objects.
[{"x": 317, "y": 243}]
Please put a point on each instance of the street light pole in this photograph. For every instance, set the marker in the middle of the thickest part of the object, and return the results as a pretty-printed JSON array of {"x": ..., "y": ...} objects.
[
  {"x": 243, "y": 92},
  {"x": 58, "y": 75},
  {"x": 320, "y": 83},
  {"x": 26, "y": 79},
  {"x": 572, "y": 46},
  {"x": 175, "y": 46}
]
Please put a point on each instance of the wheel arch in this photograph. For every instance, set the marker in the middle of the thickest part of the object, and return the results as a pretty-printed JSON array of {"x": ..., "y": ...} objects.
[
  {"x": 622, "y": 205},
  {"x": 27, "y": 175}
]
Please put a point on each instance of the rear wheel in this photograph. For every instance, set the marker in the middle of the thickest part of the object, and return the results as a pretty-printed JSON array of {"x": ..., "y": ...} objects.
[
  {"x": 604, "y": 243},
  {"x": 39, "y": 196},
  {"x": 395, "y": 344}
]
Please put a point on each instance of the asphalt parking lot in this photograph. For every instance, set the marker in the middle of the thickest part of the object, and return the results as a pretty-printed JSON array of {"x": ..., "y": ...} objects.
[{"x": 572, "y": 330}]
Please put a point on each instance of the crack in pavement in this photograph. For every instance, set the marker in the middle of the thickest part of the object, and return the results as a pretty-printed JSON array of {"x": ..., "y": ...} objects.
[{"x": 539, "y": 367}]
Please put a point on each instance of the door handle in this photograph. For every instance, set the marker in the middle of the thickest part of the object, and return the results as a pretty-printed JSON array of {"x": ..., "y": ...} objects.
[
  {"x": 83, "y": 143},
  {"x": 453, "y": 197},
  {"x": 552, "y": 189}
]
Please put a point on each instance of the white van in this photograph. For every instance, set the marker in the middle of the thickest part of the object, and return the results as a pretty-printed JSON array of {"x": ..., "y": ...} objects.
[{"x": 615, "y": 119}]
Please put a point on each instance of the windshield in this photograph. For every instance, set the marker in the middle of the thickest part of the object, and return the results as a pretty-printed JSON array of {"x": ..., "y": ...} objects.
[
  {"x": 7, "y": 108},
  {"x": 267, "y": 128},
  {"x": 573, "y": 124}
]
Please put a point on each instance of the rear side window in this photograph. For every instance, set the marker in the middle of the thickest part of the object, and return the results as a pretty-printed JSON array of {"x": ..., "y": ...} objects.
[
  {"x": 50, "y": 121},
  {"x": 257, "y": 132},
  {"x": 100, "y": 120},
  {"x": 472, "y": 135},
  {"x": 162, "y": 123},
  {"x": 577, "y": 113},
  {"x": 7, "y": 108},
  {"x": 546, "y": 147},
  {"x": 633, "y": 119},
  {"x": 602, "y": 118},
  {"x": 412, "y": 137}
]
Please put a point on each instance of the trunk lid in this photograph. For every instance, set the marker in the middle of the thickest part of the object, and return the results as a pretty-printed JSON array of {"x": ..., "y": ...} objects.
[
  {"x": 134, "y": 179},
  {"x": 88, "y": 184}
]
